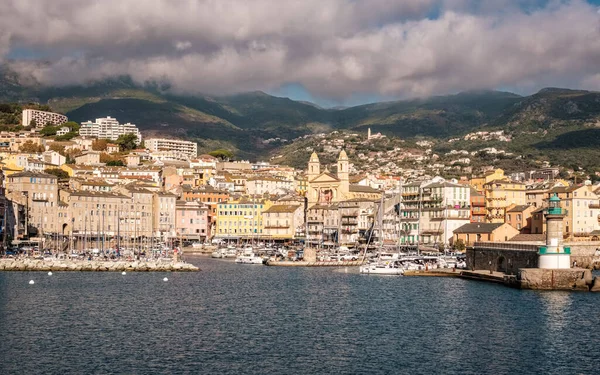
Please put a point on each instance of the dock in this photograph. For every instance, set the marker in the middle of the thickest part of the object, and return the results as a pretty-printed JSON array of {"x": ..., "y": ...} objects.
[
  {"x": 284, "y": 263},
  {"x": 438, "y": 272}
]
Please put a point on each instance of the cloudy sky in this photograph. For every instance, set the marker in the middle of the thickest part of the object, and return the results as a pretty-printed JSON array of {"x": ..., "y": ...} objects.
[{"x": 328, "y": 51}]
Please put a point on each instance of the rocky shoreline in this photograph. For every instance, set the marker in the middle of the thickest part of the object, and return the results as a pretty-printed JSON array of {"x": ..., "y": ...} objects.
[{"x": 94, "y": 265}]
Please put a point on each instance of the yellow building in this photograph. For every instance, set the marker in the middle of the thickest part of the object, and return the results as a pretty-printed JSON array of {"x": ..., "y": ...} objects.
[
  {"x": 499, "y": 194},
  {"x": 242, "y": 218},
  {"x": 478, "y": 182}
]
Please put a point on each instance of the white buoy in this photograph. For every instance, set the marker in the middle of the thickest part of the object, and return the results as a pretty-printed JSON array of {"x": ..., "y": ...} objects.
[
  {"x": 49, "y": 273},
  {"x": 165, "y": 279},
  {"x": 31, "y": 282},
  {"x": 123, "y": 273}
]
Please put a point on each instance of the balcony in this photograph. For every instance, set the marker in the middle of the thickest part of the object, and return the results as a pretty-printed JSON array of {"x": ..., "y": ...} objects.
[{"x": 347, "y": 221}]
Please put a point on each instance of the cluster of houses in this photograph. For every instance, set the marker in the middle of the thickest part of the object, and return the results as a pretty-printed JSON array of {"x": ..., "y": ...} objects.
[{"x": 166, "y": 191}]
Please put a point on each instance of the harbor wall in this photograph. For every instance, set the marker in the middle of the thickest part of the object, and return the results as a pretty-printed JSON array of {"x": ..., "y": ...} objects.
[
  {"x": 503, "y": 257},
  {"x": 555, "y": 279},
  {"x": 27, "y": 264}
]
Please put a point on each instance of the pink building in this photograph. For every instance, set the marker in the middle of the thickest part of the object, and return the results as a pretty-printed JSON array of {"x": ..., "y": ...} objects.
[{"x": 191, "y": 220}]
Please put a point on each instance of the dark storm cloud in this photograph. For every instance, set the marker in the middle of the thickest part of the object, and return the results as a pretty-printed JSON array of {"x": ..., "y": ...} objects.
[{"x": 333, "y": 48}]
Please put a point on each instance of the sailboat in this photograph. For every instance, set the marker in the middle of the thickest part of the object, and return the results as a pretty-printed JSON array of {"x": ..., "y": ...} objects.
[{"x": 381, "y": 266}]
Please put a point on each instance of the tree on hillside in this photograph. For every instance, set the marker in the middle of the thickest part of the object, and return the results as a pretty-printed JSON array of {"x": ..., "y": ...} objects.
[
  {"x": 49, "y": 130},
  {"x": 115, "y": 163},
  {"x": 58, "y": 148},
  {"x": 127, "y": 141},
  {"x": 32, "y": 123},
  {"x": 59, "y": 173},
  {"x": 72, "y": 125},
  {"x": 99, "y": 144},
  {"x": 31, "y": 148},
  {"x": 222, "y": 154}
]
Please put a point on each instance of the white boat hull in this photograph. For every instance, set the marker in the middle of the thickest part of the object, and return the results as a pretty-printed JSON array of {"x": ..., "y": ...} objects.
[{"x": 381, "y": 270}]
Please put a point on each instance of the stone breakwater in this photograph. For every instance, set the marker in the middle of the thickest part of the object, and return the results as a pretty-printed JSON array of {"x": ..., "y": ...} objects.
[{"x": 94, "y": 265}]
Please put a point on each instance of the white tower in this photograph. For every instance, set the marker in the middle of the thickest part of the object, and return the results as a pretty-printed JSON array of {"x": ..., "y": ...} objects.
[{"x": 554, "y": 255}]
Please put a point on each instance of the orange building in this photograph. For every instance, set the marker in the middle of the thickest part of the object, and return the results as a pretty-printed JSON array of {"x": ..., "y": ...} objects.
[{"x": 209, "y": 196}]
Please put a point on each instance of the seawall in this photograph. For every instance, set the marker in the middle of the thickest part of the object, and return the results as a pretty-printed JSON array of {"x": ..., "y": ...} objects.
[{"x": 94, "y": 265}]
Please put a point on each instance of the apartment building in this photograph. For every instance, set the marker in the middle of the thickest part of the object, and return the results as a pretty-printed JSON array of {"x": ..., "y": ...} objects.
[
  {"x": 260, "y": 185},
  {"x": 164, "y": 214},
  {"x": 108, "y": 128},
  {"x": 500, "y": 194},
  {"x": 283, "y": 222},
  {"x": 433, "y": 209},
  {"x": 42, "y": 118},
  {"x": 37, "y": 194},
  {"x": 241, "y": 218},
  {"x": 176, "y": 146},
  {"x": 191, "y": 220}
]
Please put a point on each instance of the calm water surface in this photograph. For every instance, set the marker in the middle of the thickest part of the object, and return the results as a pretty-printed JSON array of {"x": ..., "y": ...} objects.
[{"x": 238, "y": 319}]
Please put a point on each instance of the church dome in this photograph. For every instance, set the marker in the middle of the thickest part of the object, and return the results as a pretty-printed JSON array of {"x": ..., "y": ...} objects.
[
  {"x": 343, "y": 155},
  {"x": 314, "y": 157}
]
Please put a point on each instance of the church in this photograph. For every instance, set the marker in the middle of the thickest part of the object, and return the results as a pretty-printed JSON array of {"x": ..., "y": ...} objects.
[{"x": 326, "y": 188}]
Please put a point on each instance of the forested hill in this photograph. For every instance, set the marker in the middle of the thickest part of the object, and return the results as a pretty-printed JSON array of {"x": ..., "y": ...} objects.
[{"x": 256, "y": 124}]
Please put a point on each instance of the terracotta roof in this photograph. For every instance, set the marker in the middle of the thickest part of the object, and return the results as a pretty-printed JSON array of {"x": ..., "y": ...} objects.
[
  {"x": 528, "y": 238},
  {"x": 478, "y": 228},
  {"x": 519, "y": 208},
  {"x": 363, "y": 189},
  {"x": 282, "y": 208}
]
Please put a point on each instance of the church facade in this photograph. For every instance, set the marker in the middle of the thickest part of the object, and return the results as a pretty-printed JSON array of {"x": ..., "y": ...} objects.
[{"x": 325, "y": 188}]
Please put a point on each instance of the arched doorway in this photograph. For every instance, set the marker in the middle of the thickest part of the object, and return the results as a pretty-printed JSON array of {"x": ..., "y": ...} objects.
[{"x": 501, "y": 264}]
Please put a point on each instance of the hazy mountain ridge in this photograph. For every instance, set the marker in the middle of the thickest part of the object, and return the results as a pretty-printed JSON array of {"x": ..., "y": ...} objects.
[{"x": 244, "y": 122}]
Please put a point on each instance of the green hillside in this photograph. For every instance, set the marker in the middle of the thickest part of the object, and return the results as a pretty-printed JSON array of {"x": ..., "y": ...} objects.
[{"x": 557, "y": 124}]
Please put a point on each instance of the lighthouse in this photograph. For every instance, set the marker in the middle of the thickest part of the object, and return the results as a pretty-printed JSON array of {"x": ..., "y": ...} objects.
[{"x": 554, "y": 255}]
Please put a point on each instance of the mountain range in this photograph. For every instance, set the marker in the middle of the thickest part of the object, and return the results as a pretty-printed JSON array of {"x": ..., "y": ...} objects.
[{"x": 550, "y": 122}]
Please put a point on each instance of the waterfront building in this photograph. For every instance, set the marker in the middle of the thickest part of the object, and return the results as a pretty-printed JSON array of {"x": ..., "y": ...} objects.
[
  {"x": 176, "y": 146},
  {"x": 484, "y": 232},
  {"x": 433, "y": 209},
  {"x": 139, "y": 216},
  {"x": 283, "y": 222},
  {"x": 209, "y": 196},
  {"x": 37, "y": 193},
  {"x": 323, "y": 223},
  {"x": 191, "y": 220},
  {"x": 241, "y": 218},
  {"x": 108, "y": 128},
  {"x": 164, "y": 214},
  {"x": 42, "y": 118},
  {"x": 356, "y": 217},
  {"x": 100, "y": 217}
]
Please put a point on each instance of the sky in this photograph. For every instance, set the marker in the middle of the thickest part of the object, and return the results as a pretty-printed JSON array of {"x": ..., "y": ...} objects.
[{"x": 330, "y": 52}]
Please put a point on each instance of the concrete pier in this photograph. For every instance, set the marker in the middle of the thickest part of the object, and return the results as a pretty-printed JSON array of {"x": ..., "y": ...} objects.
[{"x": 26, "y": 264}]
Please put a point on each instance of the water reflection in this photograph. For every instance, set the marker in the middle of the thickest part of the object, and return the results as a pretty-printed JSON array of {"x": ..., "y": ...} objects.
[{"x": 555, "y": 306}]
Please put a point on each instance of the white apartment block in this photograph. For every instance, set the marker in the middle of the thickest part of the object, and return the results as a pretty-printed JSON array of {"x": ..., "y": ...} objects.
[
  {"x": 108, "y": 128},
  {"x": 172, "y": 145},
  {"x": 42, "y": 118}
]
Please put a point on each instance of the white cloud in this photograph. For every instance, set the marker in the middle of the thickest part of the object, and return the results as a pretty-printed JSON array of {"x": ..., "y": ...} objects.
[{"x": 334, "y": 48}]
